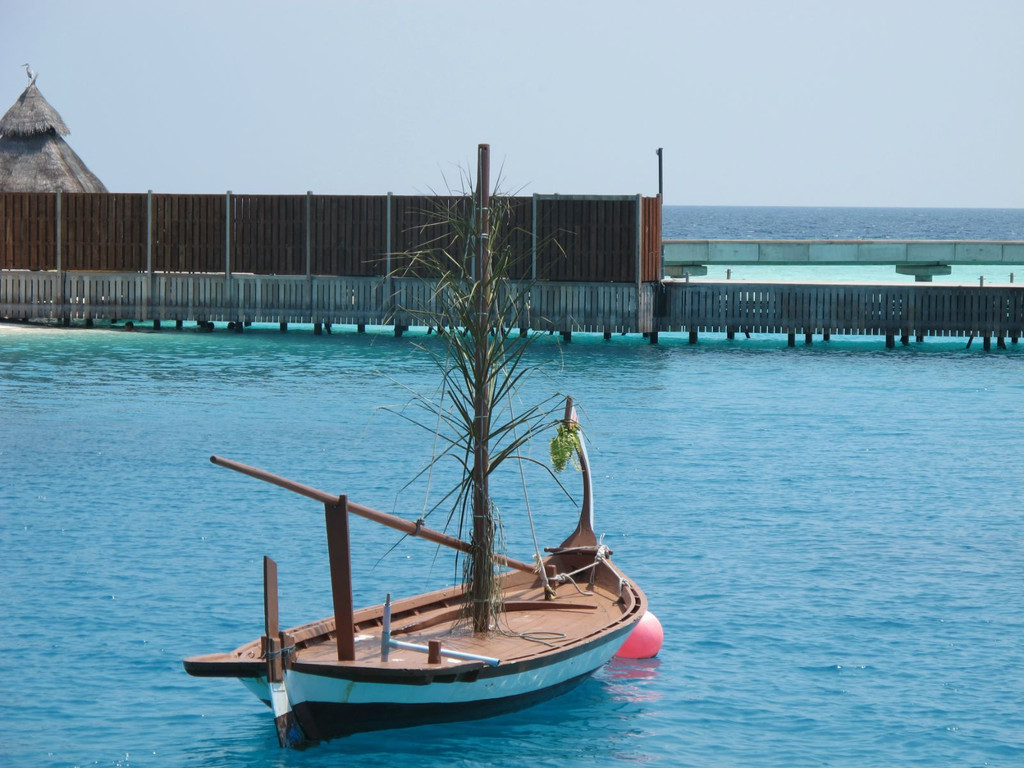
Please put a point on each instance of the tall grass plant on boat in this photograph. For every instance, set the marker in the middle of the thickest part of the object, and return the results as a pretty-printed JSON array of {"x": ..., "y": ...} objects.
[{"x": 481, "y": 313}]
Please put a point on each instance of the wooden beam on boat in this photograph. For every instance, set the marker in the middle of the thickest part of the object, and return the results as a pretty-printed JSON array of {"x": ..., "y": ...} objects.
[
  {"x": 272, "y": 636},
  {"x": 392, "y": 521},
  {"x": 336, "y": 514},
  {"x": 289, "y": 732}
]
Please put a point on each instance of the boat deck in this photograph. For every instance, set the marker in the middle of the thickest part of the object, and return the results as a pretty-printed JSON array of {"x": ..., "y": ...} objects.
[
  {"x": 528, "y": 627},
  {"x": 569, "y": 619}
]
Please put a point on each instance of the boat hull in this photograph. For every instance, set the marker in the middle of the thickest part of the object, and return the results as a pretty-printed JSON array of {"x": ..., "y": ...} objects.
[
  {"x": 331, "y": 720},
  {"x": 331, "y": 706}
]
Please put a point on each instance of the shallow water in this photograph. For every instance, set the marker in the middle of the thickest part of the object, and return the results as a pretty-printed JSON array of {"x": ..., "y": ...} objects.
[{"x": 830, "y": 535}]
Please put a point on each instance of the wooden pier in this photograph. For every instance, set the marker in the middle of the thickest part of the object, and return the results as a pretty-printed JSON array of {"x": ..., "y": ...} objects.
[
  {"x": 895, "y": 311},
  {"x": 592, "y": 264},
  {"x": 913, "y": 310}
]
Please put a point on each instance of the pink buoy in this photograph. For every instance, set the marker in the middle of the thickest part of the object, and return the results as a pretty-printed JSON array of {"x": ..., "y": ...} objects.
[{"x": 645, "y": 640}]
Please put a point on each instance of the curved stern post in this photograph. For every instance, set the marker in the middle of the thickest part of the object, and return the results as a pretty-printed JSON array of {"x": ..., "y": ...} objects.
[{"x": 584, "y": 535}]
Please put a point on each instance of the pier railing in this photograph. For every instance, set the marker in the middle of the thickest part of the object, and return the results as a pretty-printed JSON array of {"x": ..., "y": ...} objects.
[
  {"x": 912, "y": 309},
  {"x": 323, "y": 301},
  {"x": 890, "y": 310}
]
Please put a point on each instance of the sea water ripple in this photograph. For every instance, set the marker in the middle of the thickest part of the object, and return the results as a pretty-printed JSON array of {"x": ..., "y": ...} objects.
[{"x": 831, "y": 539}]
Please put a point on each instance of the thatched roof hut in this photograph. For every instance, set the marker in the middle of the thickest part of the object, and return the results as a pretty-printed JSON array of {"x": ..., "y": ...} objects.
[{"x": 33, "y": 156}]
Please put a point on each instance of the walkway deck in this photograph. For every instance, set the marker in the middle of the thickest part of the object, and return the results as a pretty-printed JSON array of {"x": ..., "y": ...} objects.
[
  {"x": 892, "y": 310},
  {"x": 920, "y": 258}
]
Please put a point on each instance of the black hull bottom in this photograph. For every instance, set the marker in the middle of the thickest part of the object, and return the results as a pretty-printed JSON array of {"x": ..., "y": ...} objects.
[{"x": 324, "y": 721}]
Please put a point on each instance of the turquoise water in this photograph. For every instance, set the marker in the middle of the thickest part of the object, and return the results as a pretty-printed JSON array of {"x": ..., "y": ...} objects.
[{"x": 830, "y": 535}]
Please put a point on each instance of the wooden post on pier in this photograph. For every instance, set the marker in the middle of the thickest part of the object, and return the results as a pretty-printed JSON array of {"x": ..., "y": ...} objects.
[
  {"x": 638, "y": 255},
  {"x": 389, "y": 291},
  {"x": 309, "y": 261},
  {"x": 150, "y": 277},
  {"x": 61, "y": 290},
  {"x": 533, "y": 239},
  {"x": 227, "y": 251}
]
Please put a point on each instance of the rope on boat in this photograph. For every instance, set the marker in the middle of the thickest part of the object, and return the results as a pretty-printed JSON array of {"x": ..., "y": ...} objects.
[
  {"x": 539, "y": 568},
  {"x": 565, "y": 577},
  {"x": 535, "y": 637},
  {"x": 600, "y": 558},
  {"x": 283, "y": 653},
  {"x": 433, "y": 452}
]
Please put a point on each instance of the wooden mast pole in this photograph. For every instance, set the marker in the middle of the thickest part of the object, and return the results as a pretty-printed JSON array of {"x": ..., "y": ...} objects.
[{"x": 482, "y": 541}]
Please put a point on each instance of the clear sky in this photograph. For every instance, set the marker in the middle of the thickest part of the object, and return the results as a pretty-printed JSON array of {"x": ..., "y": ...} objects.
[{"x": 780, "y": 102}]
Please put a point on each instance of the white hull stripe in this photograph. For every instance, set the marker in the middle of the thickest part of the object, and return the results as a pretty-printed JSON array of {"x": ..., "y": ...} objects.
[{"x": 304, "y": 687}]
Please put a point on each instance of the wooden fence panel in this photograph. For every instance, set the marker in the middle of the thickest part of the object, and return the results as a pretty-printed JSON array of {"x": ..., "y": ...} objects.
[
  {"x": 103, "y": 232},
  {"x": 650, "y": 242},
  {"x": 578, "y": 238},
  {"x": 28, "y": 230},
  {"x": 512, "y": 231},
  {"x": 349, "y": 235},
  {"x": 586, "y": 239},
  {"x": 268, "y": 234},
  {"x": 420, "y": 224},
  {"x": 189, "y": 233}
]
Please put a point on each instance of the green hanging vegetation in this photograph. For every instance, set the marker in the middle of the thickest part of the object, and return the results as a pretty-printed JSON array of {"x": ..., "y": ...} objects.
[{"x": 563, "y": 445}]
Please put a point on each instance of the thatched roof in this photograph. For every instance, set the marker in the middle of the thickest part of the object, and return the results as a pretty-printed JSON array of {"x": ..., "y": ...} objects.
[
  {"x": 32, "y": 115},
  {"x": 33, "y": 156}
]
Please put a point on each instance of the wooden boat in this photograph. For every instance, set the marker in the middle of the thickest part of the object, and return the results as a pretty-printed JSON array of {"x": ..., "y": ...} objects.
[
  {"x": 423, "y": 659},
  {"x": 416, "y": 661}
]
